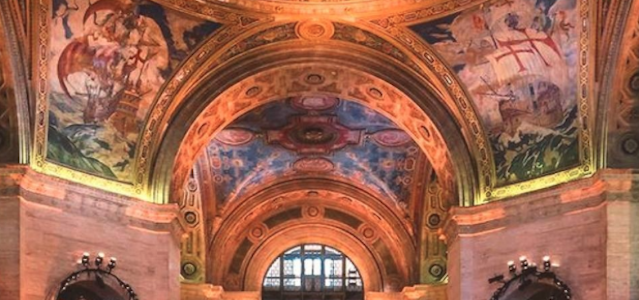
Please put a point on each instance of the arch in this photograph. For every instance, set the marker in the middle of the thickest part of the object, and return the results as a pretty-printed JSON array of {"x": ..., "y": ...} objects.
[
  {"x": 16, "y": 147},
  {"x": 89, "y": 290},
  {"x": 616, "y": 117},
  {"x": 234, "y": 87},
  {"x": 306, "y": 204},
  {"x": 292, "y": 236}
]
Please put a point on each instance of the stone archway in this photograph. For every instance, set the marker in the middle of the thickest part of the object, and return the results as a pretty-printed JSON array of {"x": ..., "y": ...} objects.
[
  {"x": 317, "y": 234},
  {"x": 214, "y": 88},
  {"x": 288, "y": 79},
  {"x": 259, "y": 228}
]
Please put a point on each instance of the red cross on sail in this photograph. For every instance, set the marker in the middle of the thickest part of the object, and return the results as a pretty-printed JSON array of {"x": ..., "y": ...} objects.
[{"x": 527, "y": 55}]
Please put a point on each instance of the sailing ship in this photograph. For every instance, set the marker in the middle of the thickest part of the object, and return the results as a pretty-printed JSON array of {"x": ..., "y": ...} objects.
[{"x": 526, "y": 71}]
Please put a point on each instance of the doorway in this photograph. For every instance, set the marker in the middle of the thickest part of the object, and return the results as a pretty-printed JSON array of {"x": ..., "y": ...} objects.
[{"x": 312, "y": 272}]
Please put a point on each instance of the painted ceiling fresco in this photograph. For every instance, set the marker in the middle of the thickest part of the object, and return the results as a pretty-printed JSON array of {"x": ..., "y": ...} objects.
[
  {"x": 109, "y": 58},
  {"x": 314, "y": 135},
  {"x": 519, "y": 61}
]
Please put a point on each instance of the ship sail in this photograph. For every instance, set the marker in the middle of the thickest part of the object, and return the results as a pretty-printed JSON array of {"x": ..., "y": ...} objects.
[{"x": 527, "y": 55}]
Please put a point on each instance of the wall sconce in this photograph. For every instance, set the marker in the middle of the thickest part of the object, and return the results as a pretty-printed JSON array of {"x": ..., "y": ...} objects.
[
  {"x": 525, "y": 276},
  {"x": 95, "y": 270}
]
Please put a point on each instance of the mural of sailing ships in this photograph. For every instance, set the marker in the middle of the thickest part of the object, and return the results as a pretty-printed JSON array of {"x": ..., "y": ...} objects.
[
  {"x": 109, "y": 59},
  {"x": 517, "y": 59}
]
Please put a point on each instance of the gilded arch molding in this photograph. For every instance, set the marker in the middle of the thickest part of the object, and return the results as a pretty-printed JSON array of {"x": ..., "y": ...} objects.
[
  {"x": 620, "y": 134},
  {"x": 255, "y": 31},
  {"x": 397, "y": 25},
  {"x": 253, "y": 232},
  {"x": 330, "y": 53}
]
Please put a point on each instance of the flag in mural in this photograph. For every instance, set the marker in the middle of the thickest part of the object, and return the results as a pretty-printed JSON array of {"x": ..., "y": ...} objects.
[{"x": 518, "y": 61}]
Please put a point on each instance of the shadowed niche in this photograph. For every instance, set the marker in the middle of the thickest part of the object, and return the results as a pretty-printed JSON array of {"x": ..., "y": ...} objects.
[{"x": 89, "y": 290}]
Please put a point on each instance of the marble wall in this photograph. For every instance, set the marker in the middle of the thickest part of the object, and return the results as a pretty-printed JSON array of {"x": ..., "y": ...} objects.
[{"x": 49, "y": 223}]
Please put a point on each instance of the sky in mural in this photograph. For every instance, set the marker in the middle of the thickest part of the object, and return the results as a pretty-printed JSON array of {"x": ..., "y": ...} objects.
[
  {"x": 314, "y": 135},
  {"x": 108, "y": 60},
  {"x": 519, "y": 61}
]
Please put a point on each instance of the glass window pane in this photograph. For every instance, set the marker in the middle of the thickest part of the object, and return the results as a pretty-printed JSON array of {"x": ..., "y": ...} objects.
[
  {"x": 288, "y": 267},
  {"x": 328, "y": 268},
  {"x": 297, "y": 267},
  {"x": 274, "y": 270},
  {"x": 296, "y": 249},
  {"x": 317, "y": 267},
  {"x": 351, "y": 271},
  {"x": 317, "y": 260},
  {"x": 312, "y": 247},
  {"x": 308, "y": 266}
]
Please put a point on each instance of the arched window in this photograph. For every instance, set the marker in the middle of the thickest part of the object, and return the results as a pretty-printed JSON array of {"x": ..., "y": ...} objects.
[{"x": 312, "y": 272}]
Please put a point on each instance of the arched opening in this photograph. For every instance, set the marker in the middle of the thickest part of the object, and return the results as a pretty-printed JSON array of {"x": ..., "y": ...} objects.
[
  {"x": 312, "y": 271},
  {"x": 90, "y": 290},
  {"x": 537, "y": 291}
]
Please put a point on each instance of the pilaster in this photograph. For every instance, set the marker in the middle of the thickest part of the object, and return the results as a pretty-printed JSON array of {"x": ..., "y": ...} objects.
[
  {"x": 47, "y": 223},
  {"x": 568, "y": 223}
]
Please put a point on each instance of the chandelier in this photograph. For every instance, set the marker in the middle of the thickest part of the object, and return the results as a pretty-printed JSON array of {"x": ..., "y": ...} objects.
[
  {"x": 526, "y": 275},
  {"x": 97, "y": 271}
]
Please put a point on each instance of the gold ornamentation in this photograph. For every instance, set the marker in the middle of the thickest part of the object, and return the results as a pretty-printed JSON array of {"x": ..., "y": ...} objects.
[{"x": 315, "y": 30}]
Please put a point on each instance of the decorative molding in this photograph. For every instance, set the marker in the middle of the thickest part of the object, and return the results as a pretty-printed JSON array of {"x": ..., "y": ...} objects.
[
  {"x": 193, "y": 245},
  {"x": 620, "y": 99},
  {"x": 433, "y": 255},
  {"x": 263, "y": 217},
  {"x": 79, "y": 199},
  {"x": 344, "y": 82},
  {"x": 427, "y": 59},
  {"x": 580, "y": 195}
]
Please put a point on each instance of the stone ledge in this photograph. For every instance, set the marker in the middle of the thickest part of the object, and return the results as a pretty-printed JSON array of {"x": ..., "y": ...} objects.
[
  {"x": 565, "y": 199},
  {"x": 86, "y": 201},
  {"x": 588, "y": 193},
  {"x": 10, "y": 178}
]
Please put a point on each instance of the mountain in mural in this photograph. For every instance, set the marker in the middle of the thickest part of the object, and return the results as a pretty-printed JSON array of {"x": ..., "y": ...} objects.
[
  {"x": 518, "y": 60},
  {"x": 109, "y": 59}
]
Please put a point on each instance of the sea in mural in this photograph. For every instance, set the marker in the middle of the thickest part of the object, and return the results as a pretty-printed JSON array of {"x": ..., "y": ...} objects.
[
  {"x": 108, "y": 60},
  {"x": 311, "y": 136},
  {"x": 518, "y": 59}
]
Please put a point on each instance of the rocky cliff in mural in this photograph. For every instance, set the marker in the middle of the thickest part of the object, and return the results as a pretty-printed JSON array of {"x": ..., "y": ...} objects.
[
  {"x": 518, "y": 60},
  {"x": 108, "y": 60}
]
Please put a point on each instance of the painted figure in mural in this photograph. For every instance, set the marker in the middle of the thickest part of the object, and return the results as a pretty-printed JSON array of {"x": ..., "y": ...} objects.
[
  {"x": 518, "y": 61},
  {"x": 121, "y": 48},
  {"x": 110, "y": 59}
]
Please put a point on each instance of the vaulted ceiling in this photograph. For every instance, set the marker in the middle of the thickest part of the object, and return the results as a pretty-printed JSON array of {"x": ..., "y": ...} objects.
[
  {"x": 316, "y": 136},
  {"x": 418, "y": 103},
  {"x": 513, "y": 83}
]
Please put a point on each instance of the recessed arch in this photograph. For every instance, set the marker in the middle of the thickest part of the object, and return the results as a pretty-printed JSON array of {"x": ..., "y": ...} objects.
[
  {"x": 226, "y": 94},
  {"x": 316, "y": 234},
  {"x": 310, "y": 206}
]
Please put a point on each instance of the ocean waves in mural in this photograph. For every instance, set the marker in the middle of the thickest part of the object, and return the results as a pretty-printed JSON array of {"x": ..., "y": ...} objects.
[
  {"x": 108, "y": 60},
  {"x": 518, "y": 60}
]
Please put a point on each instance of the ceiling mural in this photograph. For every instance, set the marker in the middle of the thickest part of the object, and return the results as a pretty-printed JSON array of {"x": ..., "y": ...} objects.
[
  {"x": 316, "y": 135},
  {"x": 519, "y": 61},
  {"x": 108, "y": 60},
  {"x": 103, "y": 63}
]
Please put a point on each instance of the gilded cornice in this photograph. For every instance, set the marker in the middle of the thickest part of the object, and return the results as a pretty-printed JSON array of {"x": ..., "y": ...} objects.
[{"x": 233, "y": 43}]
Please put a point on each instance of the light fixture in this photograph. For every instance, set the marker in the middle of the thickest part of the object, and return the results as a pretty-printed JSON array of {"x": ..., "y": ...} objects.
[
  {"x": 96, "y": 272},
  {"x": 529, "y": 273}
]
